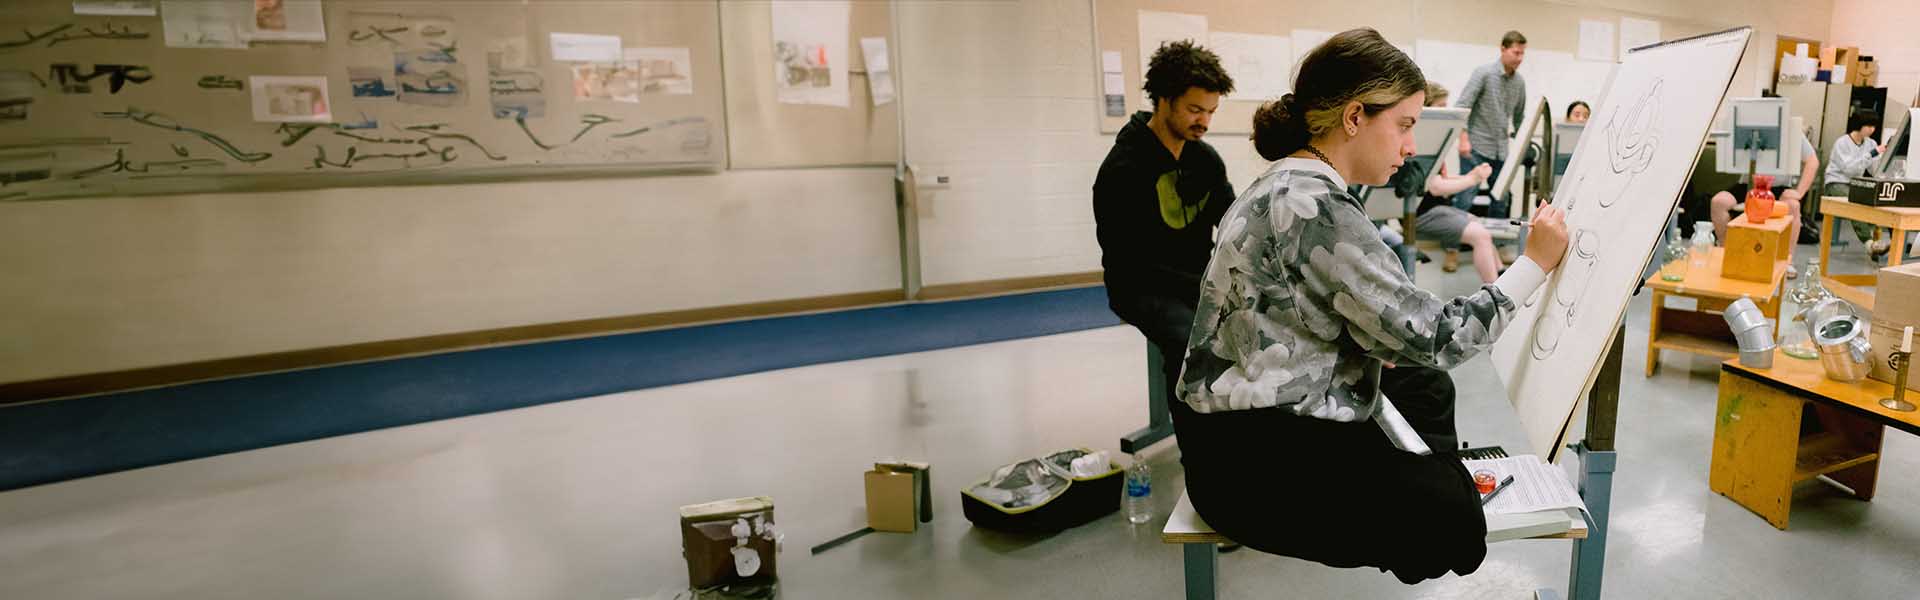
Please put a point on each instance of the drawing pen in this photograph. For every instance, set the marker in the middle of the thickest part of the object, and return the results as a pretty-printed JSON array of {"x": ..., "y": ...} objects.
[{"x": 1504, "y": 483}]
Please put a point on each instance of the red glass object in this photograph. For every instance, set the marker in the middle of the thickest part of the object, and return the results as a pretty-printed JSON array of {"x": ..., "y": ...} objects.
[
  {"x": 1760, "y": 199},
  {"x": 1483, "y": 481}
]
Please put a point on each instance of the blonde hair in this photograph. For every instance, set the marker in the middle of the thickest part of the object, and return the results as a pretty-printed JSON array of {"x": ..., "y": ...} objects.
[{"x": 1436, "y": 94}]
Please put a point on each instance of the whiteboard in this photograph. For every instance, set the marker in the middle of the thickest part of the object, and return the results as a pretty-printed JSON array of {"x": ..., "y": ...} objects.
[{"x": 1642, "y": 143}]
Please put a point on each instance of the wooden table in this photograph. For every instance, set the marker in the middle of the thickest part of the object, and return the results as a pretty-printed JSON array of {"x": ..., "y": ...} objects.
[
  {"x": 1782, "y": 426},
  {"x": 1703, "y": 330},
  {"x": 1900, "y": 220}
]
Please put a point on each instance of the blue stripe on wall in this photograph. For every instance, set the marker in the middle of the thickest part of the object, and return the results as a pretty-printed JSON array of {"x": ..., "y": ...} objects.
[{"x": 68, "y": 439}]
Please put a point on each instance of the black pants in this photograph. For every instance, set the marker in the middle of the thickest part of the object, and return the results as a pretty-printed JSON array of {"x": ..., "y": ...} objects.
[
  {"x": 1166, "y": 321},
  {"x": 1335, "y": 493}
]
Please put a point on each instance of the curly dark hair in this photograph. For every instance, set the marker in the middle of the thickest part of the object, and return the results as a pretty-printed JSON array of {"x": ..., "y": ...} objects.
[{"x": 1182, "y": 64}]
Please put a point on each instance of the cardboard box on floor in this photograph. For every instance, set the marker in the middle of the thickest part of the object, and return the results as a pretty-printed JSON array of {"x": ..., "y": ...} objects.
[
  {"x": 1896, "y": 305},
  {"x": 899, "y": 496}
]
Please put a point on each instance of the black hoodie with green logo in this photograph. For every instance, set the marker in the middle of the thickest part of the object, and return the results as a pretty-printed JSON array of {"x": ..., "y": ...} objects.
[{"x": 1154, "y": 215}]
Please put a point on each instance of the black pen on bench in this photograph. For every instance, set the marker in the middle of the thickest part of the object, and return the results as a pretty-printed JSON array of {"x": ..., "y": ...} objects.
[{"x": 1496, "y": 491}]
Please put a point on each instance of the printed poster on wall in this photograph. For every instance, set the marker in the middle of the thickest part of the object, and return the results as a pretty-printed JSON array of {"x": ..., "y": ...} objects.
[
  {"x": 287, "y": 21},
  {"x": 810, "y": 42}
]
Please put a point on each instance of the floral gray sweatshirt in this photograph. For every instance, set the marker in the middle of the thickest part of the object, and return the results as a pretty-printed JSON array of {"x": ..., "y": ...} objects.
[{"x": 1301, "y": 297}]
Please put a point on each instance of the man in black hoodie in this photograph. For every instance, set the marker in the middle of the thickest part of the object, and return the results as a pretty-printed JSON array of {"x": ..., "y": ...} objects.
[{"x": 1157, "y": 198}]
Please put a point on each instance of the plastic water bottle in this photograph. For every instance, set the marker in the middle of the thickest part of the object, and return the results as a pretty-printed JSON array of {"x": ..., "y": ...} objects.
[{"x": 1139, "y": 492}]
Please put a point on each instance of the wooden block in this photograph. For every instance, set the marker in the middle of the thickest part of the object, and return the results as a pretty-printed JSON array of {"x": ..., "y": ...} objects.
[{"x": 1752, "y": 248}]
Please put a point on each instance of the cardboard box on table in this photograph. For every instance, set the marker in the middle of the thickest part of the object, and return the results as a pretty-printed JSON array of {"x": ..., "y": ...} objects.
[{"x": 1896, "y": 305}]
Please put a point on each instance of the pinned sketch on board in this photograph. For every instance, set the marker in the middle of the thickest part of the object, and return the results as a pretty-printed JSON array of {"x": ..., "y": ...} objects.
[
  {"x": 115, "y": 8},
  {"x": 614, "y": 81},
  {"x": 430, "y": 77},
  {"x": 661, "y": 70},
  {"x": 513, "y": 91},
  {"x": 1257, "y": 63},
  {"x": 1654, "y": 117},
  {"x": 810, "y": 51},
  {"x": 371, "y": 82},
  {"x": 287, "y": 21},
  {"x": 1160, "y": 28},
  {"x": 873, "y": 50},
  {"x": 204, "y": 23},
  {"x": 387, "y": 31},
  {"x": 280, "y": 99}
]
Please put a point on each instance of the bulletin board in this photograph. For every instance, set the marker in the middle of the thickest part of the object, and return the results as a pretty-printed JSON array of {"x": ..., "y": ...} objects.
[
  {"x": 766, "y": 133},
  {"x": 1117, "y": 25},
  {"x": 113, "y": 109}
]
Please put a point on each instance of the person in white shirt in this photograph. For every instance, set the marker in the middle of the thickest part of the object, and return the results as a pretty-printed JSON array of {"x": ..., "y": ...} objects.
[{"x": 1851, "y": 154}]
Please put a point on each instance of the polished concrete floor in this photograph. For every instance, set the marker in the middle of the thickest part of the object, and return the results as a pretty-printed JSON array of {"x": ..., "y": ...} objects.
[{"x": 577, "y": 499}]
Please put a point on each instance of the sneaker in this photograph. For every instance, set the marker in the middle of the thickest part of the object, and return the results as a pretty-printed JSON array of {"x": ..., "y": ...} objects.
[
  {"x": 1452, "y": 261},
  {"x": 1793, "y": 272},
  {"x": 1879, "y": 247}
]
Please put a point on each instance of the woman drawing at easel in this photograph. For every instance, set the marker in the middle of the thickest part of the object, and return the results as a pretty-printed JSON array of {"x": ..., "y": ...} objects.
[{"x": 1300, "y": 306}]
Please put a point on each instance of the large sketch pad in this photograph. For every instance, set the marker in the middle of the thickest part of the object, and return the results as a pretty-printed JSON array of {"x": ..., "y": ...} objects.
[{"x": 1655, "y": 115}]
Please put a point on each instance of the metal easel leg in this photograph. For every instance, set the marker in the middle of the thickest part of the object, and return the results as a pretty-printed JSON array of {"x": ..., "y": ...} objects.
[
  {"x": 1597, "y": 457},
  {"x": 1202, "y": 564},
  {"x": 1159, "y": 421}
]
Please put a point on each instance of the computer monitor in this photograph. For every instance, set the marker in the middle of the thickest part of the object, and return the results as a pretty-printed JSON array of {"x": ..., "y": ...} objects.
[
  {"x": 1566, "y": 137},
  {"x": 1897, "y": 161},
  {"x": 1763, "y": 136}
]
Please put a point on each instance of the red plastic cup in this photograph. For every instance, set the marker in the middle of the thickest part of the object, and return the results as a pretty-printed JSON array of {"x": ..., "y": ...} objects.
[{"x": 1483, "y": 480}]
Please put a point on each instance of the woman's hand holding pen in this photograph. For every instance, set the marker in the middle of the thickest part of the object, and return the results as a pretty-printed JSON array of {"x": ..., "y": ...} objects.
[{"x": 1547, "y": 237}]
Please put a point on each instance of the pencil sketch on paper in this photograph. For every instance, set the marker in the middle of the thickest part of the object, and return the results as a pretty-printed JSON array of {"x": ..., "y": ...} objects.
[{"x": 1583, "y": 254}]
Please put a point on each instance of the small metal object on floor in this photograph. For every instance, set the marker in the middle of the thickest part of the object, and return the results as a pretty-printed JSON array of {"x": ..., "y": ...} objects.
[{"x": 835, "y": 542}]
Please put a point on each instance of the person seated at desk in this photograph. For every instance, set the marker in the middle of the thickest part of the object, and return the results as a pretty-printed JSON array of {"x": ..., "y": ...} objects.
[
  {"x": 1439, "y": 219},
  {"x": 1579, "y": 112},
  {"x": 1787, "y": 190},
  {"x": 1851, "y": 154},
  {"x": 1301, "y": 304}
]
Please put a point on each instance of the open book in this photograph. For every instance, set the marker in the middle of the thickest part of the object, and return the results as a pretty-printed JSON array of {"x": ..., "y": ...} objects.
[{"x": 1539, "y": 503}]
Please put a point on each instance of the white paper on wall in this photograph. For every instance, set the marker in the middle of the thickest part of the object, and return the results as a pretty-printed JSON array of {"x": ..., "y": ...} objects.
[
  {"x": 1260, "y": 65},
  {"x": 1304, "y": 41},
  {"x": 1157, "y": 28},
  {"x": 1596, "y": 40},
  {"x": 879, "y": 69},
  {"x": 584, "y": 47},
  {"x": 810, "y": 51},
  {"x": 1635, "y": 33}
]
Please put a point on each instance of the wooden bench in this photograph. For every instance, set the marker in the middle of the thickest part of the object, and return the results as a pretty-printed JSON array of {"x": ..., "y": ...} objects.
[
  {"x": 1201, "y": 556},
  {"x": 1764, "y": 445},
  {"x": 1703, "y": 330}
]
